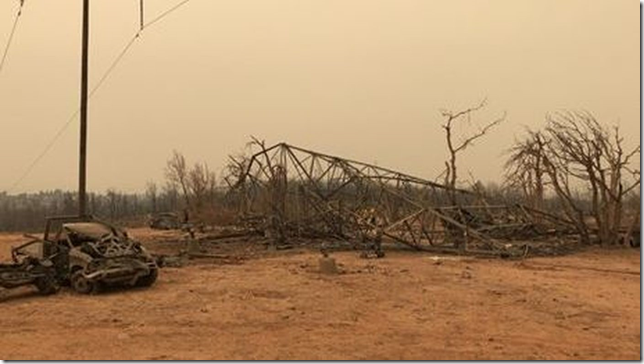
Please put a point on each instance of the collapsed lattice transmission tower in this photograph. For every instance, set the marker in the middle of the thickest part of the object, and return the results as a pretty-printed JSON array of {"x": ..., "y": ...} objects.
[{"x": 292, "y": 191}]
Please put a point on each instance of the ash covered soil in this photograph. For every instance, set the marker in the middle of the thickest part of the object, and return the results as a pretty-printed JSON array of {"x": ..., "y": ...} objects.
[{"x": 250, "y": 304}]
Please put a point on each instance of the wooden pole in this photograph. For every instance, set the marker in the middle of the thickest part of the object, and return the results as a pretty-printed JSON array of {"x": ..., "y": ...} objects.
[
  {"x": 141, "y": 13},
  {"x": 82, "y": 168}
]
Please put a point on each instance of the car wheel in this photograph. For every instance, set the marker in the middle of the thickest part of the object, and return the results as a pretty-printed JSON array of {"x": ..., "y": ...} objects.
[
  {"x": 147, "y": 281},
  {"x": 80, "y": 284},
  {"x": 47, "y": 285}
]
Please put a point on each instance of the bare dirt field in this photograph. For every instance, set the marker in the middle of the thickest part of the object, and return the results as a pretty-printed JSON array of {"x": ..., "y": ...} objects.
[{"x": 405, "y": 306}]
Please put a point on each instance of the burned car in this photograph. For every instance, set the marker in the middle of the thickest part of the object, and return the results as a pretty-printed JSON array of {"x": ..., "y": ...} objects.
[
  {"x": 29, "y": 268},
  {"x": 165, "y": 221},
  {"x": 88, "y": 253}
]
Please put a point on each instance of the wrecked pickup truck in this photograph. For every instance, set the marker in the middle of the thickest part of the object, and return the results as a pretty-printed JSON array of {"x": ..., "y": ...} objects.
[{"x": 89, "y": 253}]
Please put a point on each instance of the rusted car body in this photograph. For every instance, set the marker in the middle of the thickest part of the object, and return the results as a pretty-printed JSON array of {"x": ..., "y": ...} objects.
[
  {"x": 165, "y": 221},
  {"x": 91, "y": 253}
]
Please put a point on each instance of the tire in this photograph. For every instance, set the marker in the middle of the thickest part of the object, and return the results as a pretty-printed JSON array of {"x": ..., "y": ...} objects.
[
  {"x": 80, "y": 284},
  {"x": 47, "y": 285},
  {"x": 634, "y": 241},
  {"x": 147, "y": 281}
]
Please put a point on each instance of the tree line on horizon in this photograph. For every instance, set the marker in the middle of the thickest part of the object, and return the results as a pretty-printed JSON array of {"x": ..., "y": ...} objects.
[{"x": 574, "y": 167}]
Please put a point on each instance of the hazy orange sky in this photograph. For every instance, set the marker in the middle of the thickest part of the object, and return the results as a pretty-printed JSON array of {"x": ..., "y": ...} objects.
[{"x": 364, "y": 79}]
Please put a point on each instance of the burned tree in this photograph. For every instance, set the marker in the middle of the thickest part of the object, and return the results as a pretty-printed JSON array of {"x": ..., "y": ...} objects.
[
  {"x": 525, "y": 168},
  {"x": 152, "y": 195},
  {"x": 197, "y": 184},
  {"x": 577, "y": 153},
  {"x": 583, "y": 149},
  {"x": 201, "y": 184},
  {"x": 176, "y": 173},
  {"x": 456, "y": 147}
]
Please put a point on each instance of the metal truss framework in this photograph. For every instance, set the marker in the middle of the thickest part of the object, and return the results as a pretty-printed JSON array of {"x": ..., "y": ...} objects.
[{"x": 299, "y": 192}]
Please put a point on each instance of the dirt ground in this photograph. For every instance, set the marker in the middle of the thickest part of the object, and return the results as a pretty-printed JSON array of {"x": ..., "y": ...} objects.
[{"x": 405, "y": 306}]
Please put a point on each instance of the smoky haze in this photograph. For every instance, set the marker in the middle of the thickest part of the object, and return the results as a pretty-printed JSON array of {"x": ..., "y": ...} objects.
[{"x": 363, "y": 79}]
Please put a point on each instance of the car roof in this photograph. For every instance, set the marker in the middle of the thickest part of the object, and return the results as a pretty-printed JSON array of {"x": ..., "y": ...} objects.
[
  {"x": 90, "y": 229},
  {"x": 169, "y": 214}
]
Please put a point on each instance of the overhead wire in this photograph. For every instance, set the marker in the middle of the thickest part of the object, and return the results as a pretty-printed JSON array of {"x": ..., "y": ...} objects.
[
  {"x": 165, "y": 13},
  {"x": 64, "y": 127},
  {"x": 104, "y": 77},
  {"x": 11, "y": 35}
]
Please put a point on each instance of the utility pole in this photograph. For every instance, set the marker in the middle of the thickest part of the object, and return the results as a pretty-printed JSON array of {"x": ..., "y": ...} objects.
[{"x": 82, "y": 168}]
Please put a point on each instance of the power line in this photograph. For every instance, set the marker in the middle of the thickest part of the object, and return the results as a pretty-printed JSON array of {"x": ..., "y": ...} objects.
[
  {"x": 64, "y": 127},
  {"x": 165, "y": 13},
  {"x": 44, "y": 152},
  {"x": 13, "y": 32},
  {"x": 105, "y": 75}
]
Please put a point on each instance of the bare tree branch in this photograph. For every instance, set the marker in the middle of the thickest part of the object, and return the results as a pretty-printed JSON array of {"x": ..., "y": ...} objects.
[{"x": 451, "y": 165}]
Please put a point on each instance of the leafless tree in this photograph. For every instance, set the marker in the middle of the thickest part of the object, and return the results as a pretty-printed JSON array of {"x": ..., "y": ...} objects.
[
  {"x": 234, "y": 169},
  {"x": 201, "y": 183},
  {"x": 170, "y": 195},
  {"x": 113, "y": 202},
  {"x": 455, "y": 147},
  {"x": 576, "y": 152},
  {"x": 177, "y": 174},
  {"x": 592, "y": 154},
  {"x": 525, "y": 168},
  {"x": 151, "y": 191}
]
